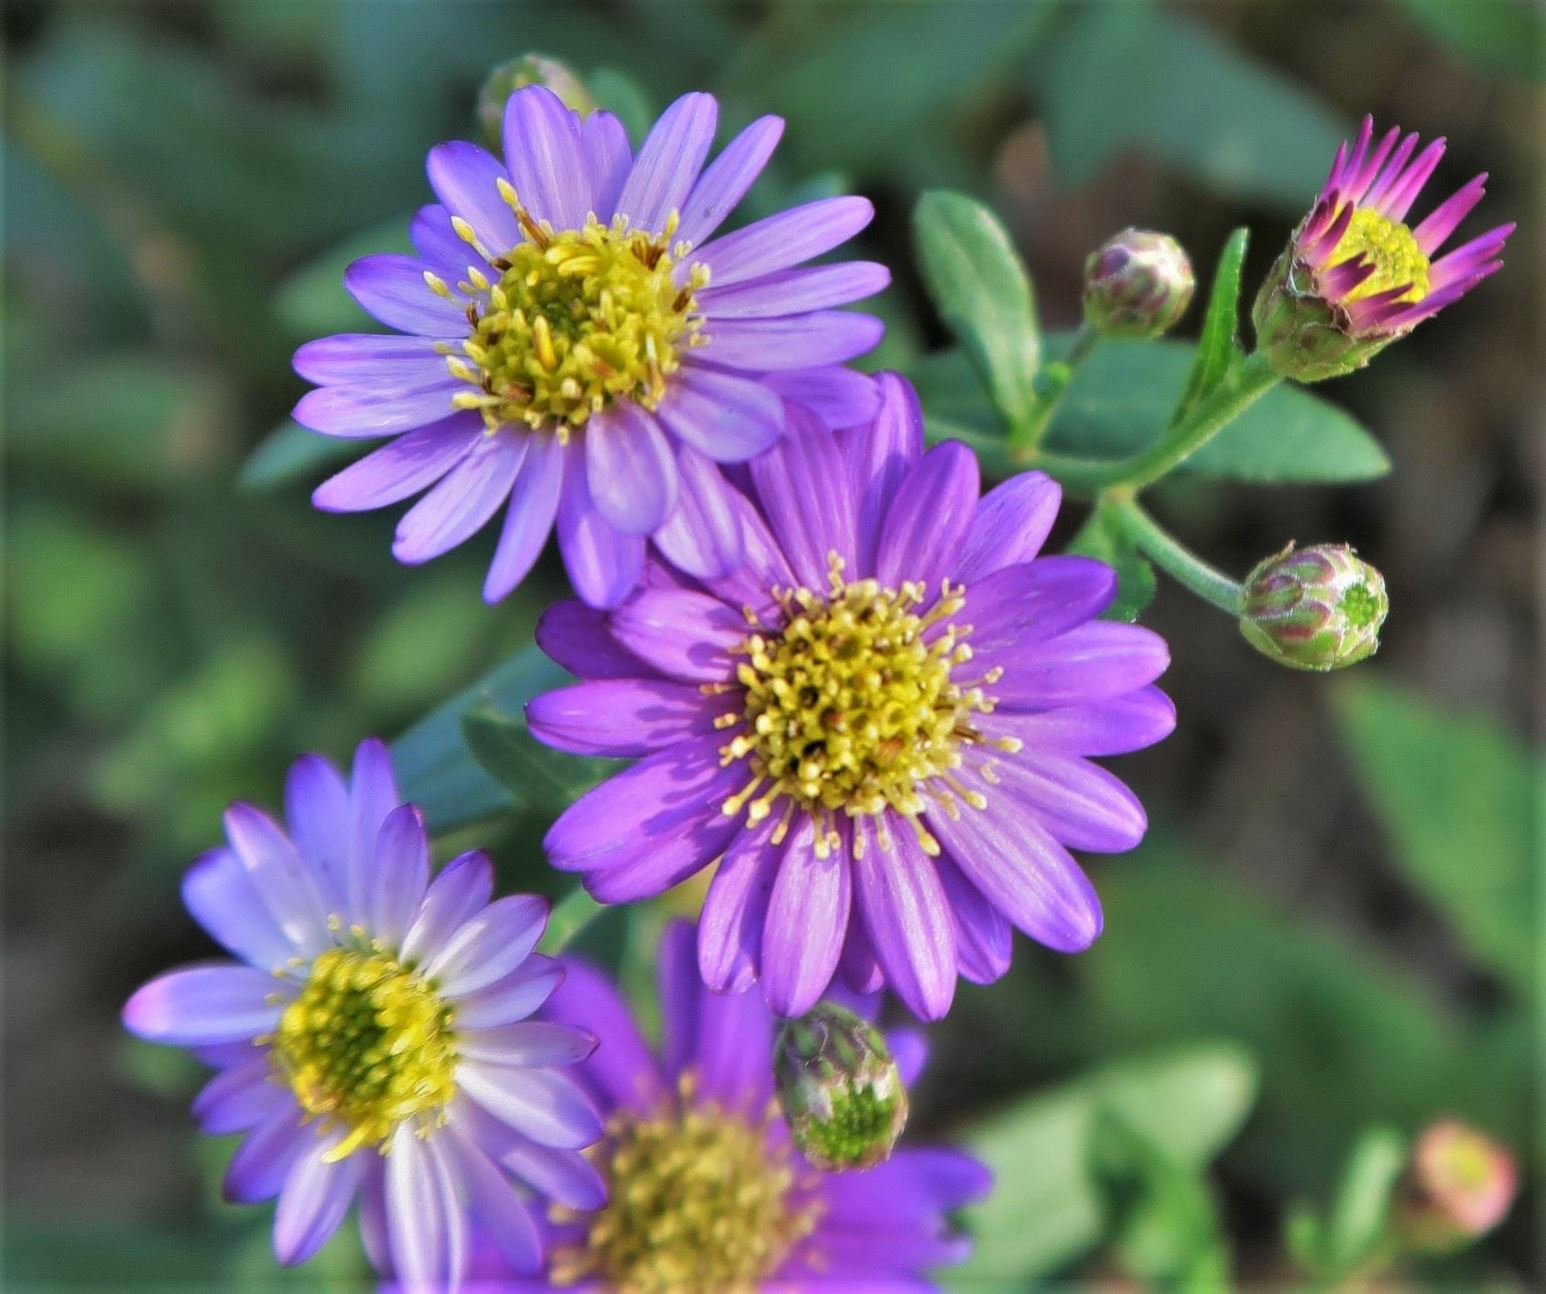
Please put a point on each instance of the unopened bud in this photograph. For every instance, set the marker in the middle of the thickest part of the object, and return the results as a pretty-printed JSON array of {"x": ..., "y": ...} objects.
[
  {"x": 1458, "y": 1186},
  {"x": 839, "y": 1089},
  {"x": 1315, "y": 608},
  {"x": 529, "y": 69},
  {"x": 1303, "y": 334},
  {"x": 1137, "y": 284}
]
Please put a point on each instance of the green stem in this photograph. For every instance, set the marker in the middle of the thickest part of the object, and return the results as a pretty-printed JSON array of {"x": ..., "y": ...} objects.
[
  {"x": 570, "y": 915},
  {"x": 1051, "y": 382},
  {"x": 1179, "y": 562}
]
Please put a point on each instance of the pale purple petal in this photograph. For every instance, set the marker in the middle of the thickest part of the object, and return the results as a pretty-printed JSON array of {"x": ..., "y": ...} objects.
[
  {"x": 685, "y": 635},
  {"x": 669, "y": 160},
  {"x": 1012, "y": 523},
  {"x": 496, "y": 1207},
  {"x": 392, "y": 289},
  {"x": 630, "y": 470},
  {"x": 877, "y": 458},
  {"x": 489, "y": 945},
  {"x": 463, "y": 887},
  {"x": 416, "y": 1208},
  {"x": 725, "y": 181},
  {"x": 604, "y": 564},
  {"x": 703, "y": 537},
  {"x": 529, "y": 516},
  {"x": 799, "y": 341},
  {"x": 389, "y": 363},
  {"x": 788, "y": 292},
  {"x": 411, "y": 463},
  {"x": 287, "y": 887},
  {"x": 839, "y": 397},
  {"x": 437, "y": 242},
  {"x": 788, "y": 238},
  {"x": 805, "y": 497},
  {"x": 806, "y": 921},
  {"x": 241, "y": 1097},
  {"x": 1115, "y": 726},
  {"x": 904, "y": 908},
  {"x": 317, "y": 814},
  {"x": 735, "y": 908},
  {"x": 261, "y": 1163},
  {"x": 623, "y": 1071},
  {"x": 224, "y": 900},
  {"x": 929, "y": 517},
  {"x": 512, "y": 998},
  {"x": 202, "y": 1005},
  {"x": 545, "y": 159},
  {"x": 527, "y": 1043},
  {"x": 608, "y": 160},
  {"x": 466, "y": 180},
  {"x": 564, "y": 1176},
  {"x": 577, "y": 637},
  {"x": 464, "y": 500},
  {"x": 1091, "y": 663},
  {"x": 727, "y": 417},
  {"x": 360, "y": 412},
  {"x": 547, "y": 1106},
  {"x": 372, "y": 795},
  {"x": 623, "y": 718},
  {"x": 316, "y": 1195},
  {"x": 402, "y": 874}
]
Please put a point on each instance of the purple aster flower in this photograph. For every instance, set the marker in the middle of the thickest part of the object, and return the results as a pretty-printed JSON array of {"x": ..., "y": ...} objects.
[
  {"x": 877, "y": 728},
  {"x": 1356, "y": 275},
  {"x": 707, "y": 1190},
  {"x": 577, "y": 344},
  {"x": 372, "y": 1037}
]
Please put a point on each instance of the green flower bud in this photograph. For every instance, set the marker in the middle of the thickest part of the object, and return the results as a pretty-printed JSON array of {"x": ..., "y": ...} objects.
[
  {"x": 1137, "y": 284},
  {"x": 529, "y": 69},
  {"x": 1458, "y": 1186},
  {"x": 839, "y": 1089},
  {"x": 1303, "y": 335},
  {"x": 1314, "y": 608}
]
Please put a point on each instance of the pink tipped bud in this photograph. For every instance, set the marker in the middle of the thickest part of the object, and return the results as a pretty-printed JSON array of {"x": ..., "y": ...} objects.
[
  {"x": 1317, "y": 608},
  {"x": 1458, "y": 1186},
  {"x": 1137, "y": 284}
]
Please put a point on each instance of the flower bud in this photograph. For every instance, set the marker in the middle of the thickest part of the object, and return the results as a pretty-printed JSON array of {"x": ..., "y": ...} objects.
[
  {"x": 839, "y": 1089},
  {"x": 1304, "y": 335},
  {"x": 529, "y": 69},
  {"x": 1314, "y": 608},
  {"x": 1458, "y": 1186},
  {"x": 1136, "y": 284}
]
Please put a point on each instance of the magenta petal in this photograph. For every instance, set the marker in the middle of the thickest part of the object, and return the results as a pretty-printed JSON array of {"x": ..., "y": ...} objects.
[
  {"x": 528, "y": 518},
  {"x": 799, "y": 341},
  {"x": 1080, "y": 803},
  {"x": 462, "y": 503},
  {"x": 669, "y": 160},
  {"x": 1090, "y": 663},
  {"x": 725, "y": 181},
  {"x": 1444, "y": 219},
  {"x": 393, "y": 290},
  {"x": 544, "y": 157},
  {"x": 726, "y": 417},
  {"x": 735, "y": 908},
  {"x": 929, "y": 517},
  {"x": 685, "y": 635},
  {"x": 839, "y": 397},
  {"x": 466, "y": 180},
  {"x": 578, "y": 638},
  {"x": 1012, "y": 522},
  {"x": 608, "y": 159},
  {"x": 1115, "y": 726},
  {"x": 412, "y": 462},
  {"x": 806, "y": 500},
  {"x": 904, "y": 908},
  {"x": 1020, "y": 605},
  {"x": 703, "y": 537},
  {"x": 604, "y": 564},
  {"x": 629, "y": 469},
  {"x": 623, "y": 718},
  {"x": 807, "y": 919},
  {"x": 788, "y": 238},
  {"x": 789, "y": 292},
  {"x": 983, "y": 935},
  {"x": 877, "y": 459}
]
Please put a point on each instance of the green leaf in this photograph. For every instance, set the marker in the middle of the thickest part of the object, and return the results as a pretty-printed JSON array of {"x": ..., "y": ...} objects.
[
  {"x": 534, "y": 776},
  {"x": 435, "y": 767},
  {"x": 1356, "y": 1227},
  {"x": 1218, "y": 348},
  {"x": 1120, "y": 400},
  {"x": 980, "y": 287},
  {"x": 1508, "y": 36},
  {"x": 622, "y": 96},
  {"x": 570, "y": 915},
  {"x": 292, "y": 453},
  {"x": 1103, "y": 538},
  {"x": 1047, "y": 1206},
  {"x": 1455, "y": 794}
]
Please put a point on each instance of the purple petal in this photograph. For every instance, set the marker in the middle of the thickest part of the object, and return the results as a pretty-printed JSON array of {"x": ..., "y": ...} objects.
[
  {"x": 489, "y": 945},
  {"x": 543, "y": 152},
  {"x": 668, "y": 162},
  {"x": 436, "y": 241},
  {"x": 464, "y": 500},
  {"x": 466, "y": 180},
  {"x": 223, "y": 899},
  {"x": 685, "y": 635},
  {"x": 680, "y": 993},
  {"x": 384, "y": 361},
  {"x": 679, "y": 845},
  {"x": 734, "y": 1061},
  {"x": 564, "y": 1176},
  {"x": 726, "y": 417},
  {"x": 804, "y": 492},
  {"x": 726, "y": 180},
  {"x": 392, "y": 289},
  {"x": 800, "y": 341},
  {"x": 857, "y": 969},
  {"x": 905, "y": 911},
  {"x": 418, "y": 1228},
  {"x": 1115, "y": 726},
  {"x": 529, "y": 517},
  {"x": 512, "y": 998},
  {"x": 542, "y": 1104},
  {"x": 317, "y": 814},
  {"x": 608, "y": 159},
  {"x": 578, "y": 638},
  {"x": 735, "y": 908},
  {"x": 763, "y": 568},
  {"x": 623, "y": 718},
  {"x": 1007, "y": 854},
  {"x": 372, "y": 794},
  {"x": 623, "y": 1070},
  {"x": 807, "y": 919},
  {"x": 788, "y": 238},
  {"x": 359, "y": 412},
  {"x": 1012, "y": 522},
  {"x": 241, "y": 1097},
  {"x": 463, "y": 888},
  {"x": 527, "y": 1044},
  {"x": 839, "y": 397},
  {"x": 402, "y": 874},
  {"x": 316, "y": 1195},
  {"x": 929, "y": 517},
  {"x": 496, "y": 1207},
  {"x": 983, "y": 935},
  {"x": 261, "y": 1163},
  {"x": 703, "y": 537},
  {"x": 877, "y": 459},
  {"x": 795, "y": 291},
  {"x": 202, "y": 1005},
  {"x": 1091, "y": 663},
  {"x": 910, "y": 1050},
  {"x": 1444, "y": 219},
  {"x": 1080, "y": 803},
  {"x": 603, "y": 563},
  {"x": 287, "y": 888},
  {"x": 910, "y": 1190},
  {"x": 411, "y": 463},
  {"x": 630, "y": 470},
  {"x": 1018, "y": 605}
]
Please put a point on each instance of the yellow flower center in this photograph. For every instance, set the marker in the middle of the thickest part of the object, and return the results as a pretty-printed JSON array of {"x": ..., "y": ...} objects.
[
  {"x": 853, "y": 705},
  {"x": 577, "y": 319},
  {"x": 1398, "y": 261},
  {"x": 698, "y": 1203},
  {"x": 367, "y": 1044}
]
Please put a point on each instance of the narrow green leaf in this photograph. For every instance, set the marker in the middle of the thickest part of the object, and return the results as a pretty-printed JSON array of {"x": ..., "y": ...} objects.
[
  {"x": 1100, "y": 537},
  {"x": 1218, "y": 346},
  {"x": 980, "y": 287},
  {"x": 1507, "y": 36},
  {"x": 1356, "y": 1226},
  {"x": 291, "y": 453},
  {"x": 534, "y": 776},
  {"x": 571, "y": 914},
  {"x": 1455, "y": 794},
  {"x": 622, "y": 96}
]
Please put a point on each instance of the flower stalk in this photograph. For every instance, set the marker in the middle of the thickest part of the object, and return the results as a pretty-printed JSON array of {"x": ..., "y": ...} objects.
[
  {"x": 1051, "y": 383},
  {"x": 1171, "y": 556}
]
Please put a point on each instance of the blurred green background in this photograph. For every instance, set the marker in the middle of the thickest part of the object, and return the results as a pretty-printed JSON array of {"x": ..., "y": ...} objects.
[{"x": 1333, "y": 927}]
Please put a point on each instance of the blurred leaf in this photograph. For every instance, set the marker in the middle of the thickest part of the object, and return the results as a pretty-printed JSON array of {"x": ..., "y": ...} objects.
[
  {"x": 168, "y": 1072},
  {"x": 1119, "y": 402},
  {"x": 1046, "y": 1207},
  {"x": 622, "y": 96},
  {"x": 1455, "y": 793},
  {"x": 67, "y": 1255},
  {"x": 979, "y": 285},
  {"x": 435, "y": 768},
  {"x": 1504, "y": 35},
  {"x": 1356, "y": 1227},
  {"x": 1102, "y": 537},
  {"x": 432, "y": 637},
  {"x": 535, "y": 776},
  {"x": 312, "y": 301},
  {"x": 1135, "y": 76},
  {"x": 293, "y": 453},
  {"x": 570, "y": 916},
  {"x": 1218, "y": 348}
]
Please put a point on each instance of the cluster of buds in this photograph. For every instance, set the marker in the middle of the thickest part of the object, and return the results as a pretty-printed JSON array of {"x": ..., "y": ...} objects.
[
  {"x": 839, "y": 1088},
  {"x": 1137, "y": 284},
  {"x": 1317, "y": 608}
]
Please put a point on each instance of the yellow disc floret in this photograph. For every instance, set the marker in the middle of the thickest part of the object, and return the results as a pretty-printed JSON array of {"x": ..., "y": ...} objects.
[
  {"x": 854, "y": 703},
  {"x": 699, "y": 1202},
  {"x": 577, "y": 319},
  {"x": 1398, "y": 260},
  {"x": 366, "y": 1044}
]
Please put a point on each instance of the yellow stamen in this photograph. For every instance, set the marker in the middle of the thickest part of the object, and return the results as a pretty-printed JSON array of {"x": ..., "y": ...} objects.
[{"x": 1398, "y": 260}]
